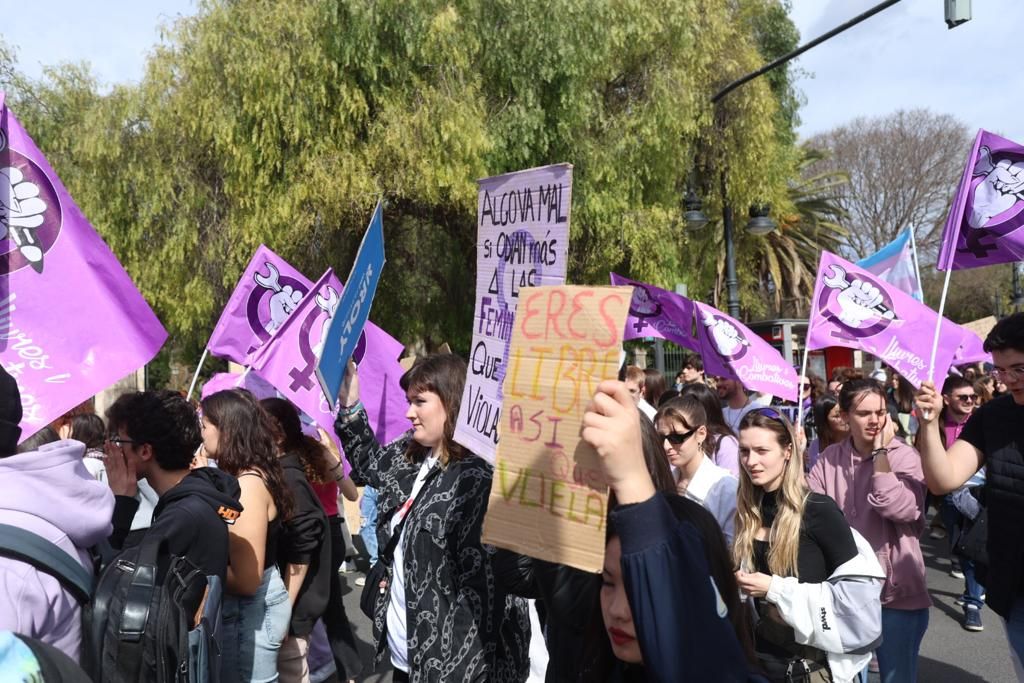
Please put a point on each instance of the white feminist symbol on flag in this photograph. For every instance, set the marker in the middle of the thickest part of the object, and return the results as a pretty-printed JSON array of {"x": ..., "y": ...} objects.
[
  {"x": 21, "y": 212},
  {"x": 1002, "y": 187}
]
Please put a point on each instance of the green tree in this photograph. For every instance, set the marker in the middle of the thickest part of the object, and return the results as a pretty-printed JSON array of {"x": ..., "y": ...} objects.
[{"x": 284, "y": 122}]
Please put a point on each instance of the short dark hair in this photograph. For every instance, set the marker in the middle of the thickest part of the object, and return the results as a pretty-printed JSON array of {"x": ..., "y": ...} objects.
[
  {"x": 1008, "y": 334},
  {"x": 855, "y": 388},
  {"x": 146, "y": 418},
  {"x": 694, "y": 361},
  {"x": 38, "y": 440},
  {"x": 185, "y": 418},
  {"x": 954, "y": 382},
  {"x": 445, "y": 375}
]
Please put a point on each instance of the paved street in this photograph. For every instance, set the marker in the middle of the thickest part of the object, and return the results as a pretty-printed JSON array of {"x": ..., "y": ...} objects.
[{"x": 949, "y": 654}]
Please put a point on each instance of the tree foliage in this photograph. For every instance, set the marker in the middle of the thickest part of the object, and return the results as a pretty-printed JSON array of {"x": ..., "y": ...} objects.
[
  {"x": 283, "y": 123},
  {"x": 903, "y": 170}
]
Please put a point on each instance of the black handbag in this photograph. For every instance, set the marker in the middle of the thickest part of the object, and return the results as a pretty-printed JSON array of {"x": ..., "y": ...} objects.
[
  {"x": 378, "y": 579},
  {"x": 972, "y": 542}
]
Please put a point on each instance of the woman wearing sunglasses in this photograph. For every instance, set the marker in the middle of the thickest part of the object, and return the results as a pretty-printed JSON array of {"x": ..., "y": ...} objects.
[
  {"x": 877, "y": 481},
  {"x": 682, "y": 426},
  {"x": 815, "y": 583}
]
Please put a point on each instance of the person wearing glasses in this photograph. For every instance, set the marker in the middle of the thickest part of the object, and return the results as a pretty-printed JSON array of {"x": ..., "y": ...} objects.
[
  {"x": 682, "y": 426},
  {"x": 814, "y": 582},
  {"x": 877, "y": 482},
  {"x": 991, "y": 438},
  {"x": 153, "y": 436}
]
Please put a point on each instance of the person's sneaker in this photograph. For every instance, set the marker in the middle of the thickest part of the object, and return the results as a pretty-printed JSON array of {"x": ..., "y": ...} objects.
[
  {"x": 972, "y": 619},
  {"x": 959, "y": 602},
  {"x": 361, "y": 581},
  {"x": 955, "y": 571},
  {"x": 348, "y": 566},
  {"x": 937, "y": 532}
]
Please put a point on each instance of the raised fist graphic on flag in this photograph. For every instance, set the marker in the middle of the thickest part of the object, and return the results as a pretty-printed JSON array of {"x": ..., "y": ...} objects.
[
  {"x": 857, "y": 304},
  {"x": 21, "y": 212}
]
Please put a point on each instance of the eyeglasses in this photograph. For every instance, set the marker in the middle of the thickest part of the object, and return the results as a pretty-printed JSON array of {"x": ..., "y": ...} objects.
[
  {"x": 1008, "y": 375},
  {"x": 677, "y": 439},
  {"x": 117, "y": 440}
]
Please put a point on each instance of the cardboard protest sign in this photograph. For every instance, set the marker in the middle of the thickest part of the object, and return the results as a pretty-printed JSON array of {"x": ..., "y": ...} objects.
[
  {"x": 549, "y": 497},
  {"x": 522, "y": 241},
  {"x": 347, "y": 324}
]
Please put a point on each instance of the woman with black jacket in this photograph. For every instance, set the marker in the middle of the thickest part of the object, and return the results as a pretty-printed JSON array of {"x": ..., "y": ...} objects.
[
  {"x": 666, "y": 598},
  {"x": 442, "y": 617}
]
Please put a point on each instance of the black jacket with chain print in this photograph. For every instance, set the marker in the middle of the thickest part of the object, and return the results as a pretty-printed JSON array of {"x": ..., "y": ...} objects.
[{"x": 460, "y": 624}]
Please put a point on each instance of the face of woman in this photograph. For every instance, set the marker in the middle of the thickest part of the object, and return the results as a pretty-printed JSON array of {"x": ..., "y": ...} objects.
[
  {"x": 618, "y": 617},
  {"x": 428, "y": 416},
  {"x": 763, "y": 458},
  {"x": 865, "y": 417},
  {"x": 681, "y": 455},
  {"x": 211, "y": 437},
  {"x": 837, "y": 422}
]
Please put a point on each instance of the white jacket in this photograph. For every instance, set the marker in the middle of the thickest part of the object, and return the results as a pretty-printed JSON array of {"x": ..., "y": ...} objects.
[{"x": 842, "y": 616}]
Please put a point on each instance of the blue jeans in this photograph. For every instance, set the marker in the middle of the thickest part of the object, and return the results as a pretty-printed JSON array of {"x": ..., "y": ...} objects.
[
  {"x": 254, "y": 628},
  {"x": 368, "y": 530},
  {"x": 1015, "y": 635},
  {"x": 902, "y": 633}
]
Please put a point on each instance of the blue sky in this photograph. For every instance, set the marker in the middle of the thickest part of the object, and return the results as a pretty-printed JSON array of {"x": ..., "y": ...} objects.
[{"x": 904, "y": 57}]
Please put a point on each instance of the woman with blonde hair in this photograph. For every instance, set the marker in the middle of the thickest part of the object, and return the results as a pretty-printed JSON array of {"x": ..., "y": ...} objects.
[{"x": 815, "y": 583}]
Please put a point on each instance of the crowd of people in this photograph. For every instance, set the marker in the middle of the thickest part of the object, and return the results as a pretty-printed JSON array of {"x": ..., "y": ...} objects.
[{"x": 739, "y": 547}]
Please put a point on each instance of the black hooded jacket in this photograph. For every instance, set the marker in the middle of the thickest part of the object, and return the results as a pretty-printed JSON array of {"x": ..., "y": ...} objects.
[
  {"x": 193, "y": 516},
  {"x": 307, "y": 540}
]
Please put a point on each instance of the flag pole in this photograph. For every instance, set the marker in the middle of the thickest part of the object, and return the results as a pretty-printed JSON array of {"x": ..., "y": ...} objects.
[
  {"x": 917, "y": 263},
  {"x": 192, "y": 386},
  {"x": 803, "y": 373},
  {"x": 938, "y": 327},
  {"x": 241, "y": 378}
]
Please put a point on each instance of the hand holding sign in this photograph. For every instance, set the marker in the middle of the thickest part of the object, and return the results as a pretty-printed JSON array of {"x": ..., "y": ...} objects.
[
  {"x": 929, "y": 403},
  {"x": 612, "y": 426},
  {"x": 348, "y": 395}
]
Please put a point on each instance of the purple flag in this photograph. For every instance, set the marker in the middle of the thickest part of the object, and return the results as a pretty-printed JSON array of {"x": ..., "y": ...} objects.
[
  {"x": 656, "y": 312},
  {"x": 988, "y": 209},
  {"x": 71, "y": 321},
  {"x": 731, "y": 349},
  {"x": 971, "y": 349},
  {"x": 289, "y": 362},
  {"x": 267, "y": 293},
  {"x": 855, "y": 309}
]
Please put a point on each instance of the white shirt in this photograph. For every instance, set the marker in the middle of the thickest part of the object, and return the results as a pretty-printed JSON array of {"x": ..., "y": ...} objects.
[
  {"x": 734, "y": 415},
  {"x": 397, "y": 627},
  {"x": 715, "y": 489},
  {"x": 647, "y": 409}
]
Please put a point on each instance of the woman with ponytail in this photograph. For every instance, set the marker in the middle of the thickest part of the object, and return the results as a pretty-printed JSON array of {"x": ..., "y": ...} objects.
[{"x": 814, "y": 582}]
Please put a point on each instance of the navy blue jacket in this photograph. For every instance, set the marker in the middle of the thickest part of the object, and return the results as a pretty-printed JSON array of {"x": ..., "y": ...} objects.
[{"x": 675, "y": 605}]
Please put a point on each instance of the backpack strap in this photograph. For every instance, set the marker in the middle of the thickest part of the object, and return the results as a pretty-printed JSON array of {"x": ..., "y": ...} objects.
[
  {"x": 47, "y": 557},
  {"x": 140, "y": 591}
]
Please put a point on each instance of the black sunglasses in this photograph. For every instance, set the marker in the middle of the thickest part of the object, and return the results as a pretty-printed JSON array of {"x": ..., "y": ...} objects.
[{"x": 677, "y": 439}]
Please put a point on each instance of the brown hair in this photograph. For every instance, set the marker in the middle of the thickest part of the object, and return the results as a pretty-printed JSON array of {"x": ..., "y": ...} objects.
[
  {"x": 654, "y": 386},
  {"x": 445, "y": 375},
  {"x": 688, "y": 410},
  {"x": 308, "y": 450},
  {"x": 853, "y": 392},
  {"x": 635, "y": 374},
  {"x": 247, "y": 441}
]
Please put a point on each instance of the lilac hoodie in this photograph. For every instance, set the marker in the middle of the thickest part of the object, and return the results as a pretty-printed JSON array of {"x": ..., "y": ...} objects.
[
  {"x": 887, "y": 509},
  {"x": 50, "y": 493}
]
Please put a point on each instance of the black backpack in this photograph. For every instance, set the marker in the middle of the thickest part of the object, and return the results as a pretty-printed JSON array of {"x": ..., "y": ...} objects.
[{"x": 134, "y": 627}]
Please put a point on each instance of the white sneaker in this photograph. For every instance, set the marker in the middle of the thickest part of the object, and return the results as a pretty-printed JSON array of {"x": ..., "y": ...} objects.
[
  {"x": 347, "y": 567},
  {"x": 361, "y": 581}
]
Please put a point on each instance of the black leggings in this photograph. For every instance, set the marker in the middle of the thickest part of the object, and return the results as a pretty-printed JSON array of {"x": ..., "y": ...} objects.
[{"x": 344, "y": 645}]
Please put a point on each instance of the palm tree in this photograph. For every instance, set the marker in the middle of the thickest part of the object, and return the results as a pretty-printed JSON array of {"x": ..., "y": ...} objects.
[{"x": 787, "y": 259}]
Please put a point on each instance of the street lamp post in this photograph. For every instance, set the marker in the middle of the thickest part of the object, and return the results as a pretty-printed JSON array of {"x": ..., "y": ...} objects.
[{"x": 731, "y": 283}]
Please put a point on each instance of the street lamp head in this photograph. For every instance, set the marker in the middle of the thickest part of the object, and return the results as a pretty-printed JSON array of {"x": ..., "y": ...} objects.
[
  {"x": 760, "y": 222},
  {"x": 692, "y": 214}
]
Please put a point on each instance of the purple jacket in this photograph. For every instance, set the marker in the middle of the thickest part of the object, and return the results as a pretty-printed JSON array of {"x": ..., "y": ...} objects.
[
  {"x": 887, "y": 509},
  {"x": 50, "y": 493}
]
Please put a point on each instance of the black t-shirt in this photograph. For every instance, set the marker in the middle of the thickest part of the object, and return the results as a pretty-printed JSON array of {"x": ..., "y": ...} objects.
[
  {"x": 996, "y": 428},
  {"x": 826, "y": 542}
]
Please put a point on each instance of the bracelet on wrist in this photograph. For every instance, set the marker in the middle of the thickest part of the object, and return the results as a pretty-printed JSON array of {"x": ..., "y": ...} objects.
[
  {"x": 349, "y": 411},
  {"x": 335, "y": 466}
]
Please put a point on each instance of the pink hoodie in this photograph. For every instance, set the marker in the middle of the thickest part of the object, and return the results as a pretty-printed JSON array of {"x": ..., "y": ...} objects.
[
  {"x": 50, "y": 493},
  {"x": 887, "y": 509}
]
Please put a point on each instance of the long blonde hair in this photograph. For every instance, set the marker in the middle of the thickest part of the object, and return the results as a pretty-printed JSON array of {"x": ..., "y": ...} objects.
[{"x": 784, "y": 535}]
